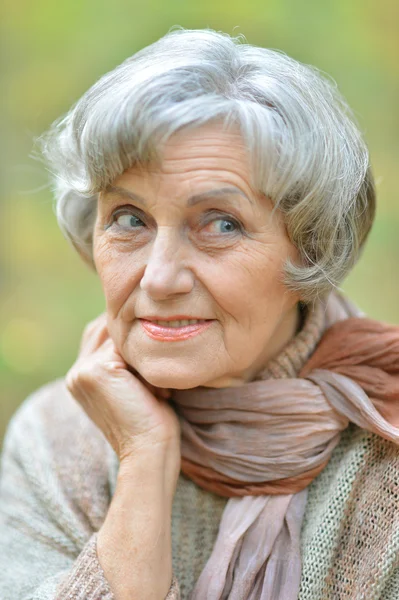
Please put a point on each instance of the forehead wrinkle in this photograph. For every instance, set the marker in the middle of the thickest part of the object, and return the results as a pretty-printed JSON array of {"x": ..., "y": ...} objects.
[
  {"x": 218, "y": 192},
  {"x": 119, "y": 191},
  {"x": 192, "y": 200}
]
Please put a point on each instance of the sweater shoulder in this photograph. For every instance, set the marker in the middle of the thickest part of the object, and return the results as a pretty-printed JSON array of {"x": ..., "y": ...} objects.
[
  {"x": 360, "y": 460},
  {"x": 350, "y": 540},
  {"x": 55, "y": 420},
  {"x": 54, "y": 449}
]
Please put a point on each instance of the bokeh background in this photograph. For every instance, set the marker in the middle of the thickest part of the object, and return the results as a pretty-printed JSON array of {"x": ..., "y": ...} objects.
[{"x": 53, "y": 51}]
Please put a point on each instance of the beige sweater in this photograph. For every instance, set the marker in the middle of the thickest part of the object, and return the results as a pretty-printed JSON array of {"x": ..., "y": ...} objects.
[{"x": 58, "y": 475}]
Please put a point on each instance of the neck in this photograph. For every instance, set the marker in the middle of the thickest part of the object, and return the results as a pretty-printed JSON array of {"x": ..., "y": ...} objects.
[
  {"x": 296, "y": 337},
  {"x": 282, "y": 337}
]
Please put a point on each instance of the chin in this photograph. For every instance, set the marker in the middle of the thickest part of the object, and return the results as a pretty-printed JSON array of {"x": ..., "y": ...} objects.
[{"x": 164, "y": 378}]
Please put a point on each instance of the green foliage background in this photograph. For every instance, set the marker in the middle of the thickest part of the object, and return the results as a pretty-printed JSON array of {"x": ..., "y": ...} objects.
[{"x": 53, "y": 51}]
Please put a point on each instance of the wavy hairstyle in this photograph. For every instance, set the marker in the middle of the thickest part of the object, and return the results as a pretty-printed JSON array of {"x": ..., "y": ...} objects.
[{"x": 307, "y": 152}]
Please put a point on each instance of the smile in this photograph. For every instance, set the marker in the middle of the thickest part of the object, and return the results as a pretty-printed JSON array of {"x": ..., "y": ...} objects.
[{"x": 173, "y": 331}]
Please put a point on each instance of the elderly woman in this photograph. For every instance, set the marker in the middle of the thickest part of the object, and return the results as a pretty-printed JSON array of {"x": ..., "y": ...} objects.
[{"x": 228, "y": 430}]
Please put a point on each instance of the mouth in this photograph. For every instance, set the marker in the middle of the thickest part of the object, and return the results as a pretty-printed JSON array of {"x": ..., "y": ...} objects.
[{"x": 174, "y": 330}]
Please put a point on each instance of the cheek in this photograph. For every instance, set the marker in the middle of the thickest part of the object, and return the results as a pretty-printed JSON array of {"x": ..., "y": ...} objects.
[
  {"x": 118, "y": 274},
  {"x": 247, "y": 284}
]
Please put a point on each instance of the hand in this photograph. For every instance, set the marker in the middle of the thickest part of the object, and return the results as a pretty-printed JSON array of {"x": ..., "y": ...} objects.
[{"x": 133, "y": 415}]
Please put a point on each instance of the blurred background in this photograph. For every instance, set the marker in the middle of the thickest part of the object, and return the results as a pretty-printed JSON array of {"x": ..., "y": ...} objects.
[{"x": 53, "y": 51}]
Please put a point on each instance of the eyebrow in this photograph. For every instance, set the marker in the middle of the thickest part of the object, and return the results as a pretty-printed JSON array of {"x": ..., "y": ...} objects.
[{"x": 192, "y": 200}]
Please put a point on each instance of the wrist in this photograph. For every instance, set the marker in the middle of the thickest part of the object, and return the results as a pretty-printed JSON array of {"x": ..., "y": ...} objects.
[
  {"x": 135, "y": 540},
  {"x": 154, "y": 468}
]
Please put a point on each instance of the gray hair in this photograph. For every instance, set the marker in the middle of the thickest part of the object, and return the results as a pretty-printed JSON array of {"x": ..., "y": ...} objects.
[{"x": 307, "y": 153}]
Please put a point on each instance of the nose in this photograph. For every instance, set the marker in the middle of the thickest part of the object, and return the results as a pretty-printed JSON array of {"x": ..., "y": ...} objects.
[{"x": 166, "y": 273}]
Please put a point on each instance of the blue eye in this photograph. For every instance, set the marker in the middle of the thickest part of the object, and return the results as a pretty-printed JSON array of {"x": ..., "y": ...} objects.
[
  {"x": 227, "y": 225},
  {"x": 128, "y": 220}
]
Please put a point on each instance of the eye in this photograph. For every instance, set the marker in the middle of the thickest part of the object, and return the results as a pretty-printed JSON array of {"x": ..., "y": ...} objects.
[
  {"x": 128, "y": 220},
  {"x": 224, "y": 225}
]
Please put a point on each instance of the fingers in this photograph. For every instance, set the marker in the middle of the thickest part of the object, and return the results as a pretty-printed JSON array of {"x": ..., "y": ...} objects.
[
  {"x": 94, "y": 335},
  {"x": 96, "y": 339}
]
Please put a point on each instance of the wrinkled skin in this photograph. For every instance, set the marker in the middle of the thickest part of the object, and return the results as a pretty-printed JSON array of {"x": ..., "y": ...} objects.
[{"x": 167, "y": 258}]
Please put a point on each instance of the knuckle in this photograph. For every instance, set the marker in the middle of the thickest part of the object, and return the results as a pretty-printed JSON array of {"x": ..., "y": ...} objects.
[
  {"x": 92, "y": 327},
  {"x": 94, "y": 323},
  {"x": 82, "y": 376},
  {"x": 70, "y": 381},
  {"x": 88, "y": 331}
]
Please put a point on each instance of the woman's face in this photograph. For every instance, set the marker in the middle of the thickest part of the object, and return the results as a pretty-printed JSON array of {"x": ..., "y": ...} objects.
[{"x": 192, "y": 239}]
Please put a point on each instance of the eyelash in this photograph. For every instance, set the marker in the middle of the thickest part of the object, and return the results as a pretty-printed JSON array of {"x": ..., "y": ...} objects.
[{"x": 219, "y": 216}]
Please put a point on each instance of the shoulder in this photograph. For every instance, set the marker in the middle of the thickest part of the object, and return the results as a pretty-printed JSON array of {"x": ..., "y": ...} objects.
[
  {"x": 52, "y": 412},
  {"x": 51, "y": 420},
  {"x": 363, "y": 461},
  {"x": 54, "y": 448},
  {"x": 350, "y": 533}
]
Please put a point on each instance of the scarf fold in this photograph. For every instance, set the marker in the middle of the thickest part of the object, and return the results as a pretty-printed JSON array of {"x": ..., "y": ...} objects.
[{"x": 261, "y": 444}]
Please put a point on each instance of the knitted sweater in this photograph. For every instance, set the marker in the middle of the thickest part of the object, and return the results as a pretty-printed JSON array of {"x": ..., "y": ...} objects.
[{"x": 58, "y": 475}]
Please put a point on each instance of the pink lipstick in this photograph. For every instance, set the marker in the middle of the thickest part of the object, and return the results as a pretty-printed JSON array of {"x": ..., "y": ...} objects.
[{"x": 162, "y": 333}]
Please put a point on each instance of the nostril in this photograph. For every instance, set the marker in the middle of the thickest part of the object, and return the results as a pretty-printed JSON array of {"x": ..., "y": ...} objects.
[{"x": 163, "y": 280}]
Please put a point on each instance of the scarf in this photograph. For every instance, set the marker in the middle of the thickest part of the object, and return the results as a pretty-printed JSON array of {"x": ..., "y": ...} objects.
[{"x": 262, "y": 444}]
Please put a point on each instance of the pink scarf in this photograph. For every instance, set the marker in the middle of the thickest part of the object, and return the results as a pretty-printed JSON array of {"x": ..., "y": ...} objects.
[{"x": 261, "y": 445}]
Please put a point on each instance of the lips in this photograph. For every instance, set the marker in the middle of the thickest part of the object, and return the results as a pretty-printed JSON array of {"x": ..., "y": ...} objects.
[
  {"x": 169, "y": 334},
  {"x": 172, "y": 318},
  {"x": 176, "y": 322}
]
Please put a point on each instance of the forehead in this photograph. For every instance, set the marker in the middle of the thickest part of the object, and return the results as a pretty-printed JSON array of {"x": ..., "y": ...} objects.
[
  {"x": 209, "y": 144},
  {"x": 203, "y": 156}
]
